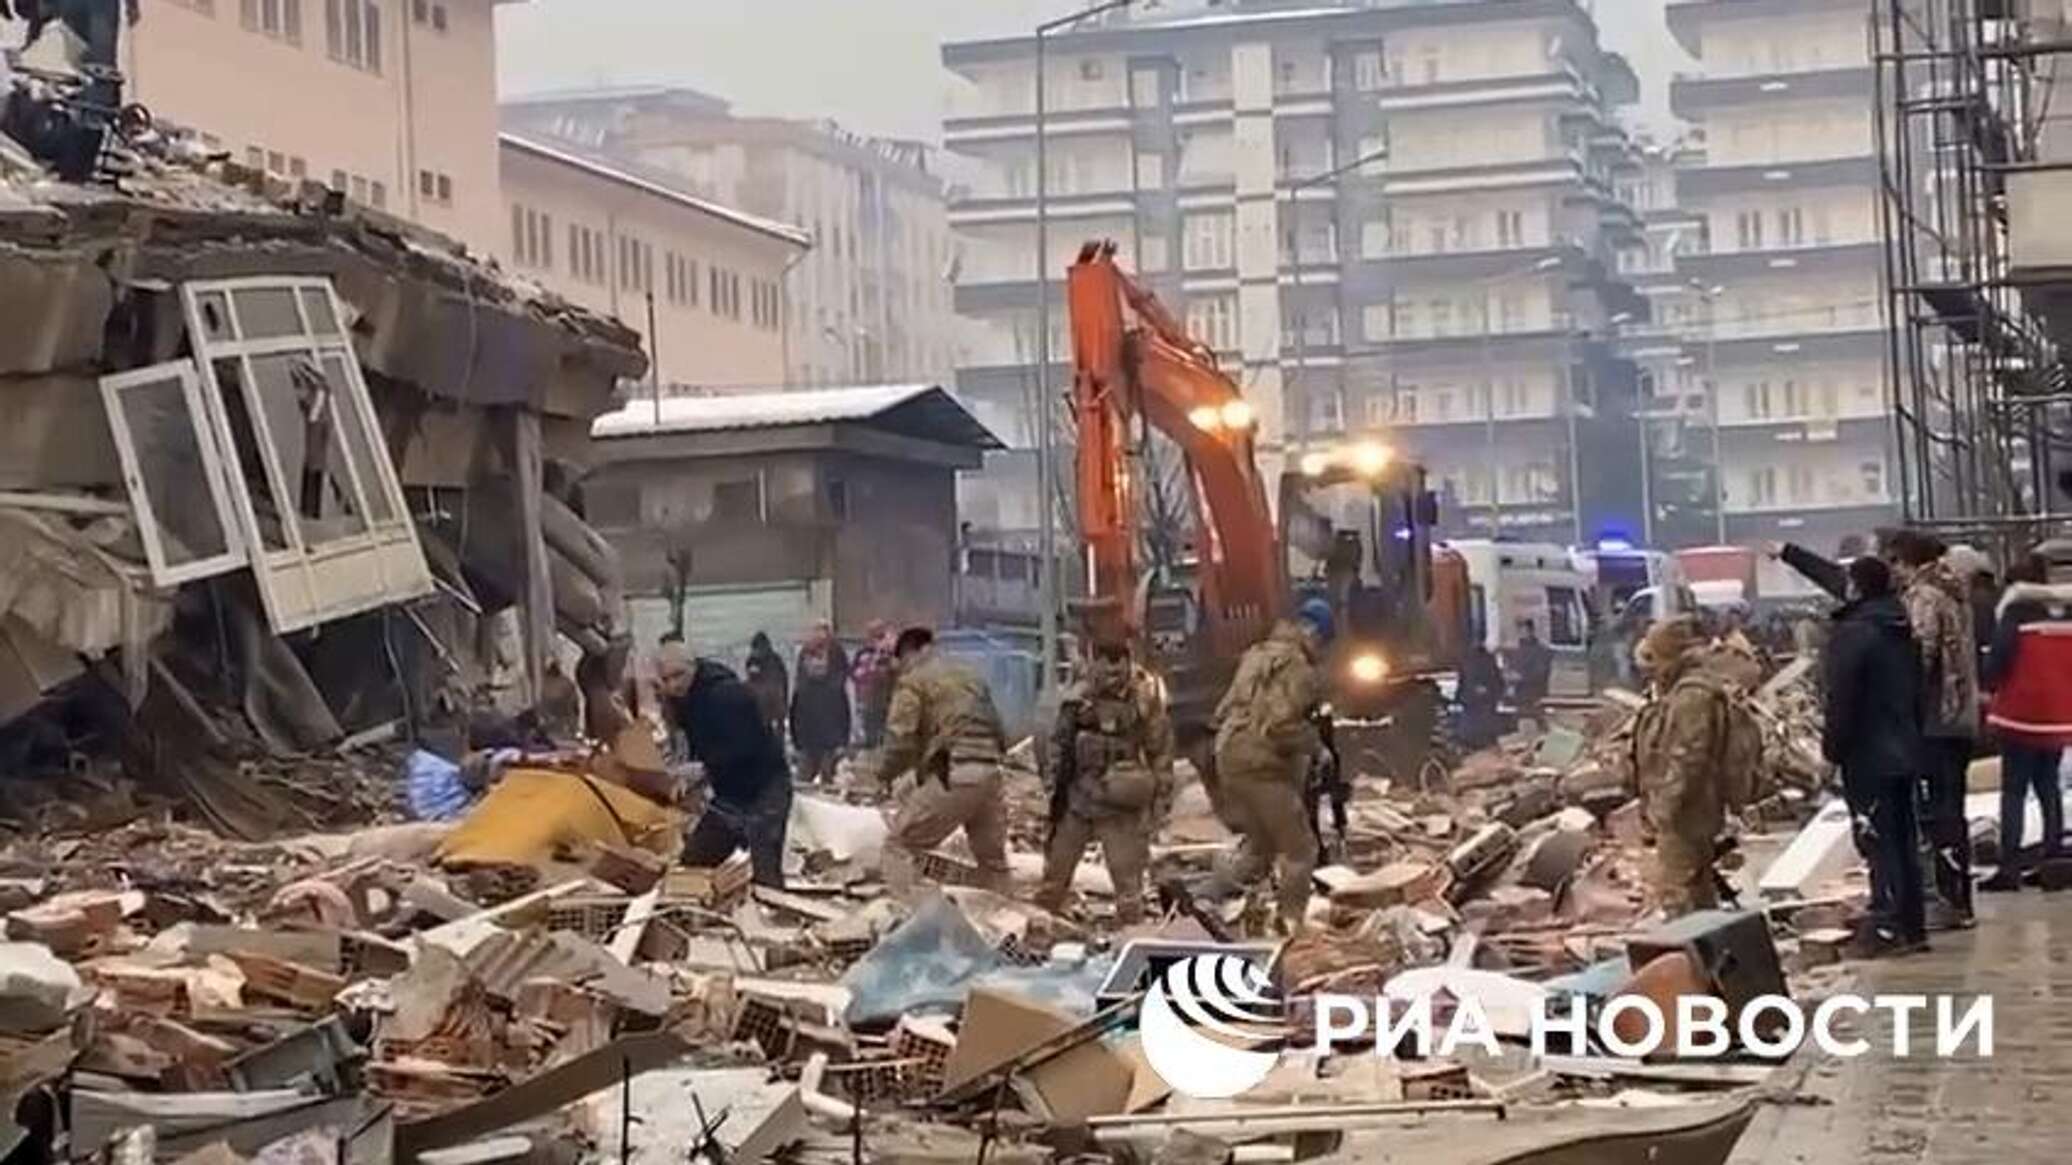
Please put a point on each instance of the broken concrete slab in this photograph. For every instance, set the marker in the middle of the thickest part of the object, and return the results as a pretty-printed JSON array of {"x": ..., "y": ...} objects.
[
  {"x": 36, "y": 988},
  {"x": 1823, "y": 851}
]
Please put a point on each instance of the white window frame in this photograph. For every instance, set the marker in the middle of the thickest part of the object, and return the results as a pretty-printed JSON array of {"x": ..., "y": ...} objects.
[
  {"x": 163, "y": 572},
  {"x": 302, "y": 585}
]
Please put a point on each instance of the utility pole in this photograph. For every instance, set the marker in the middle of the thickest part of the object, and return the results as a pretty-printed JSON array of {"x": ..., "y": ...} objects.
[{"x": 1046, "y": 437}]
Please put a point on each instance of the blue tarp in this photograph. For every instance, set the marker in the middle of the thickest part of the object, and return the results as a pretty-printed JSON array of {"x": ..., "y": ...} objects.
[{"x": 433, "y": 788}]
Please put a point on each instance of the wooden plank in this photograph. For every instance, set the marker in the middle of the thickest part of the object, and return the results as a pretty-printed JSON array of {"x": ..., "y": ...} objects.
[
  {"x": 799, "y": 904},
  {"x": 461, "y": 935},
  {"x": 625, "y": 942}
]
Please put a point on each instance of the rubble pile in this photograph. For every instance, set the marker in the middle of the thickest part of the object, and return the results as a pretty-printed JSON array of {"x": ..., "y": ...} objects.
[{"x": 380, "y": 995}]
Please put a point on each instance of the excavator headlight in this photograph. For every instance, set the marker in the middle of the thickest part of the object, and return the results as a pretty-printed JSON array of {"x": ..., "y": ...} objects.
[
  {"x": 1371, "y": 457},
  {"x": 1369, "y": 668},
  {"x": 1238, "y": 415},
  {"x": 1206, "y": 418}
]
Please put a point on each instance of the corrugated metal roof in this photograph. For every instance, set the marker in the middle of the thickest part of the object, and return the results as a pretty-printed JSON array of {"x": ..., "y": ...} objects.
[{"x": 918, "y": 410}]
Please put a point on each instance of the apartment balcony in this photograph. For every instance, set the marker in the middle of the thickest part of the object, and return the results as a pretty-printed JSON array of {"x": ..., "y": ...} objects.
[
  {"x": 961, "y": 133},
  {"x": 1693, "y": 96},
  {"x": 1804, "y": 429},
  {"x": 1015, "y": 208},
  {"x": 1722, "y": 265},
  {"x": 1697, "y": 182},
  {"x": 1687, "y": 19}
]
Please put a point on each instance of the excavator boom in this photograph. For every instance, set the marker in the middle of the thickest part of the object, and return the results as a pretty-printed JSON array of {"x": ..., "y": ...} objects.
[{"x": 1154, "y": 372}]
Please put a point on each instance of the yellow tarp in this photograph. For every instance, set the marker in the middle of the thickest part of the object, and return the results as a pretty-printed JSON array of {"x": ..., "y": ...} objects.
[{"x": 537, "y": 817}]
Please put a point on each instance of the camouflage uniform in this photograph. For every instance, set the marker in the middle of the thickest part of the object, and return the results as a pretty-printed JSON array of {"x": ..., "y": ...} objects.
[
  {"x": 1114, "y": 743},
  {"x": 942, "y": 725},
  {"x": 1264, "y": 744},
  {"x": 1938, "y": 608},
  {"x": 1679, "y": 746}
]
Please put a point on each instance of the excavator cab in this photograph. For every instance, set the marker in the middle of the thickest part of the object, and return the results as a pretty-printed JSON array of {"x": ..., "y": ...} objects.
[{"x": 1356, "y": 527}]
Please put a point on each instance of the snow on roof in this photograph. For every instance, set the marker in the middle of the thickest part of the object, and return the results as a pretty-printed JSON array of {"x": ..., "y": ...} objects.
[
  {"x": 613, "y": 173},
  {"x": 922, "y": 410}
]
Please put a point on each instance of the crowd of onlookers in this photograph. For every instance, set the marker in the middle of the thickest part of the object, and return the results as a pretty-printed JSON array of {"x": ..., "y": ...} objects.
[{"x": 1931, "y": 660}]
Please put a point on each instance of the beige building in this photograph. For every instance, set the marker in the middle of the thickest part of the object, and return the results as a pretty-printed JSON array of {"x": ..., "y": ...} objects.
[
  {"x": 393, "y": 102},
  {"x": 872, "y": 302},
  {"x": 701, "y": 283}
]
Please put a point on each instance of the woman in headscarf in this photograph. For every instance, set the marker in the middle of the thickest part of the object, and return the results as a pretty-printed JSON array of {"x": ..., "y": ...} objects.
[{"x": 769, "y": 680}]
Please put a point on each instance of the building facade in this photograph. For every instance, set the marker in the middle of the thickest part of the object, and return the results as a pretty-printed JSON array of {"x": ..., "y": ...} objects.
[
  {"x": 1784, "y": 311},
  {"x": 1400, "y": 222},
  {"x": 772, "y": 511},
  {"x": 703, "y": 284},
  {"x": 871, "y": 303},
  {"x": 393, "y": 103}
]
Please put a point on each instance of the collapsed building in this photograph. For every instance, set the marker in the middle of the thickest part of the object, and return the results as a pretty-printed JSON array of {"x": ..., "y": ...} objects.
[{"x": 283, "y": 454}]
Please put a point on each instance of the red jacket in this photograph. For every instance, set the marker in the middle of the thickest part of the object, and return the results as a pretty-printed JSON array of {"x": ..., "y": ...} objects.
[{"x": 2031, "y": 666}]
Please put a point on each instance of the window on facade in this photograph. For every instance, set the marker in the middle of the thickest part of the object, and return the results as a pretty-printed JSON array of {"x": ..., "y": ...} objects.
[
  {"x": 279, "y": 19},
  {"x": 1762, "y": 486},
  {"x": 443, "y": 188},
  {"x": 1748, "y": 229},
  {"x": 1791, "y": 227},
  {"x": 1212, "y": 319},
  {"x": 338, "y": 181},
  {"x": 838, "y": 499},
  {"x": 1376, "y": 322},
  {"x": 361, "y": 188},
  {"x": 1801, "y": 483},
  {"x": 276, "y": 162},
  {"x": 1510, "y": 228},
  {"x": 1207, "y": 242},
  {"x": 352, "y": 33},
  {"x": 1873, "y": 475},
  {"x": 737, "y": 501},
  {"x": 298, "y": 167},
  {"x": 267, "y": 453},
  {"x": 1368, "y": 74},
  {"x": 1564, "y": 617}
]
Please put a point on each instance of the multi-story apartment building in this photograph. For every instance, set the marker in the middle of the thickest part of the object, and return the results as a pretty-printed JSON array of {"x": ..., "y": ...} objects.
[
  {"x": 703, "y": 284},
  {"x": 1785, "y": 315},
  {"x": 1679, "y": 493},
  {"x": 871, "y": 302},
  {"x": 392, "y": 102},
  {"x": 1390, "y": 220}
]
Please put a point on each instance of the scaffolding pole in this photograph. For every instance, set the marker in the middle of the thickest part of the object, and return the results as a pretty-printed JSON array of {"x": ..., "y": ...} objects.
[{"x": 1974, "y": 385}]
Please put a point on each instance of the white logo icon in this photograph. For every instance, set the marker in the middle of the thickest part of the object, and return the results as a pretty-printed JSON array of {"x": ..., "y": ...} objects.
[{"x": 1211, "y": 1026}]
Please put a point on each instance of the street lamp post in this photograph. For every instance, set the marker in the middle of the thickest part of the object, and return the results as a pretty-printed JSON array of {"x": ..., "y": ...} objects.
[{"x": 1046, "y": 439}]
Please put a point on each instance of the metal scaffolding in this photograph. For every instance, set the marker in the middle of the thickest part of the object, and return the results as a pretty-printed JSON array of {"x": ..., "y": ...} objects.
[{"x": 1975, "y": 386}]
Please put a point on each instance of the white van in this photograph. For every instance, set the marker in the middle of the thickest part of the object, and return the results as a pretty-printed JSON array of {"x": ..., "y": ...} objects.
[{"x": 1511, "y": 582}]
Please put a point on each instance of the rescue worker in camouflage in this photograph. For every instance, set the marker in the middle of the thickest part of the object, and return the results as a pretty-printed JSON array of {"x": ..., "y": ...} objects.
[
  {"x": 1679, "y": 746},
  {"x": 1265, "y": 740},
  {"x": 1938, "y": 605},
  {"x": 1111, "y": 768},
  {"x": 942, "y": 727}
]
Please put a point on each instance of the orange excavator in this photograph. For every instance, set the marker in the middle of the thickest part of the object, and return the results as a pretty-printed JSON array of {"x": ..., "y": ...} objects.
[{"x": 1354, "y": 528}]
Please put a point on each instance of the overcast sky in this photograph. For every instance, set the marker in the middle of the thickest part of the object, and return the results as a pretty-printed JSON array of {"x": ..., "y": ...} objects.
[{"x": 874, "y": 65}]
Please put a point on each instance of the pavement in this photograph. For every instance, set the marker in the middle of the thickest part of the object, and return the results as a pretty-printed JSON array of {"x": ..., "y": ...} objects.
[{"x": 2012, "y": 1108}]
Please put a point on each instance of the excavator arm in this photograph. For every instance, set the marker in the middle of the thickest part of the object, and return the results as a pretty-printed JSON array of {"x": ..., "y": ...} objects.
[{"x": 1155, "y": 372}]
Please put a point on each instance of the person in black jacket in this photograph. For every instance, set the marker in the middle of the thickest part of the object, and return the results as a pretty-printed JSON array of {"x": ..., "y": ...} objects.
[
  {"x": 2024, "y": 764},
  {"x": 723, "y": 726},
  {"x": 1872, "y": 676}
]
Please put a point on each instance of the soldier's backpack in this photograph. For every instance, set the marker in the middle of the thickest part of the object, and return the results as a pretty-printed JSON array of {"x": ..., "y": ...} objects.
[{"x": 1743, "y": 767}]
